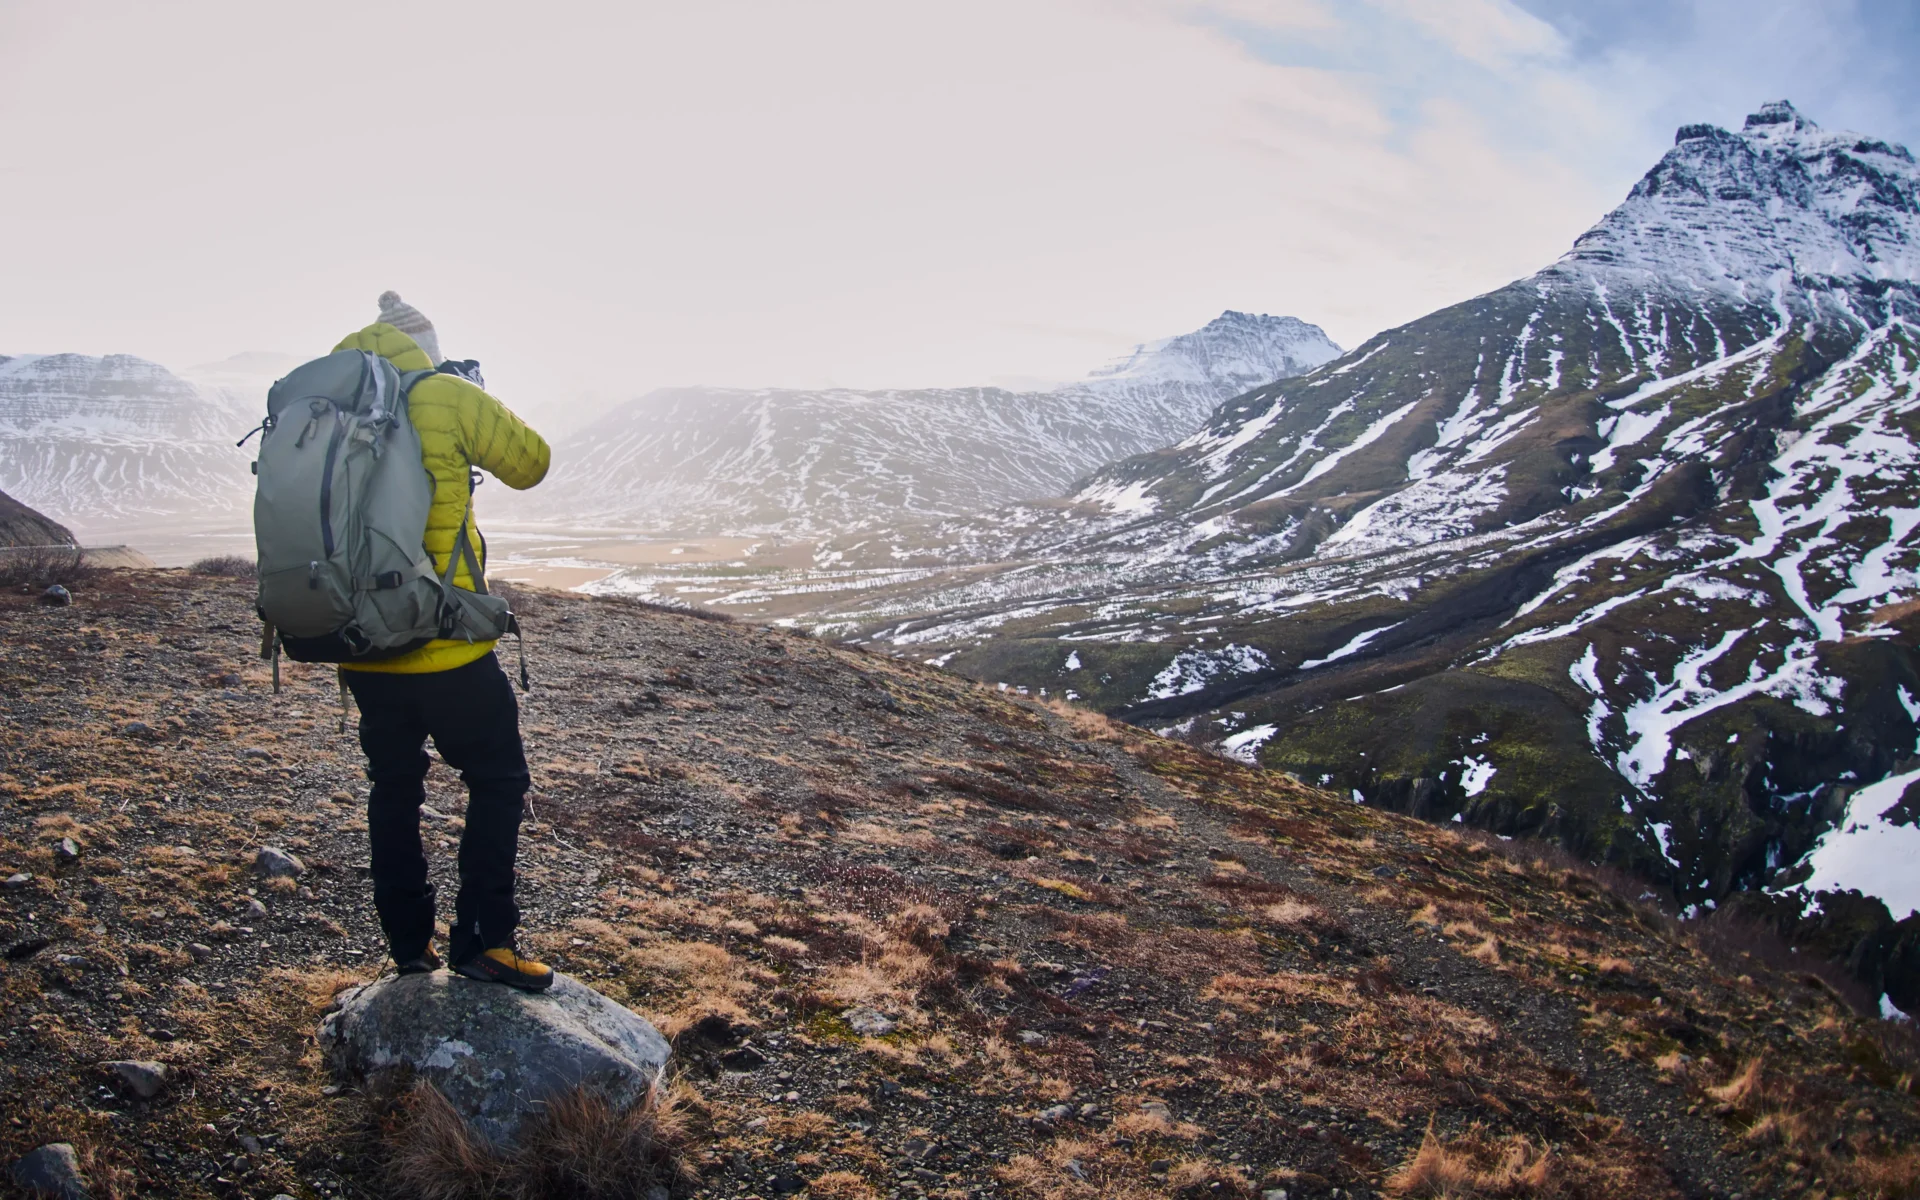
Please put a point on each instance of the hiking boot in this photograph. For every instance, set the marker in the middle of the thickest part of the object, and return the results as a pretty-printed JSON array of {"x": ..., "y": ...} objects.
[
  {"x": 426, "y": 963},
  {"x": 503, "y": 964}
]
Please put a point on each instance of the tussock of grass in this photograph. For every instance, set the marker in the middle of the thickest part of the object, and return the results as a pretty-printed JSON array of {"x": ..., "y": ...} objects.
[
  {"x": 581, "y": 1148},
  {"x": 1475, "y": 1166}
]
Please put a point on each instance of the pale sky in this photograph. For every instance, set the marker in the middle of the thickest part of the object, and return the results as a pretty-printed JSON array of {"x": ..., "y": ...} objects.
[{"x": 596, "y": 199}]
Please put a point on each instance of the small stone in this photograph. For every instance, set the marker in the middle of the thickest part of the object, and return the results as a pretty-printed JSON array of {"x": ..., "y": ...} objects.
[
  {"x": 52, "y": 1170},
  {"x": 65, "y": 851},
  {"x": 56, "y": 596},
  {"x": 256, "y": 754},
  {"x": 144, "y": 1079},
  {"x": 1274, "y": 1194},
  {"x": 341, "y": 797},
  {"x": 276, "y": 863},
  {"x": 1088, "y": 1111},
  {"x": 786, "y": 1184},
  {"x": 1384, "y": 872},
  {"x": 918, "y": 1149},
  {"x": 1157, "y": 1108},
  {"x": 1160, "y": 1166},
  {"x": 256, "y": 909},
  {"x": 1032, "y": 1037},
  {"x": 745, "y": 1058},
  {"x": 200, "y": 950},
  {"x": 137, "y": 729},
  {"x": 1056, "y": 1114},
  {"x": 74, "y": 961},
  {"x": 17, "y": 880},
  {"x": 870, "y": 1022}
]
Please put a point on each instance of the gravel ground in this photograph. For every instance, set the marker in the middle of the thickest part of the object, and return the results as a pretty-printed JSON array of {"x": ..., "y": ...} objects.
[{"x": 911, "y": 937}]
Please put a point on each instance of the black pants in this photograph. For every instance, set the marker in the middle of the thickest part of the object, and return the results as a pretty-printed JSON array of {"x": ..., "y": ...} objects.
[{"x": 470, "y": 714}]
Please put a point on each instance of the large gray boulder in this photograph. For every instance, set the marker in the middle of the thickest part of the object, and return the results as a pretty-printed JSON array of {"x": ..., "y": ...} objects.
[{"x": 496, "y": 1054}]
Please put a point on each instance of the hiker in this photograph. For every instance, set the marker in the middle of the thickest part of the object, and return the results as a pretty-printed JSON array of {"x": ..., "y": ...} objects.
[{"x": 450, "y": 689}]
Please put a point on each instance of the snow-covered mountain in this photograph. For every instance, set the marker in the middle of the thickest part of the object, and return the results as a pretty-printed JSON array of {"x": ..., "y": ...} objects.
[
  {"x": 1623, "y": 553},
  {"x": 102, "y": 443},
  {"x": 718, "y": 459}
]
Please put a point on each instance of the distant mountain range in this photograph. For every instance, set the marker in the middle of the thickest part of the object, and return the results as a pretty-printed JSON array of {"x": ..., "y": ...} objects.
[
  {"x": 116, "y": 441},
  {"x": 1621, "y": 554},
  {"x": 714, "y": 460}
]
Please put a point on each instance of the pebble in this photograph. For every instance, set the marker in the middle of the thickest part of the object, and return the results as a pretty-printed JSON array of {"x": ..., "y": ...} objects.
[
  {"x": 870, "y": 1022},
  {"x": 256, "y": 909},
  {"x": 136, "y": 729},
  {"x": 145, "y": 1079},
  {"x": 274, "y": 862},
  {"x": 56, "y": 596},
  {"x": 51, "y": 1170},
  {"x": 1056, "y": 1114},
  {"x": 17, "y": 880},
  {"x": 1032, "y": 1037},
  {"x": 200, "y": 951},
  {"x": 66, "y": 850}
]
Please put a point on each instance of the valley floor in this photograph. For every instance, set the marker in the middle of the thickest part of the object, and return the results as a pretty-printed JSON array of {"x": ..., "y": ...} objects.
[{"x": 1109, "y": 965}]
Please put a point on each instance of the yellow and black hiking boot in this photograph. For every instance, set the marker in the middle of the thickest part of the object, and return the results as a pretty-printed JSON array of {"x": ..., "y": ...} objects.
[
  {"x": 503, "y": 964},
  {"x": 425, "y": 964}
]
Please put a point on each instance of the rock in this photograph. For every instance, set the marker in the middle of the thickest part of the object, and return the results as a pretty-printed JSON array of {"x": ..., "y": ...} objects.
[
  {"x": 275, "y": 863},
  {"x": 137, "y": 729},
  {"x": 870, "y": 1022},
  {"x": 256, "y": 754},
  {"x": 744, "y": 1058},
  {"x": 144, "y": 1079},
  {"x": 56, "y": 596},
  {"x": 1056, "y": 1114},
  {"x": 66, "y": 851},
  {"x": 52, "y": 1170},
  {"x": 256, "y": 909},
  {"x": 496, "y": 1054},
  {"x": 17, "y": 880},
  {"x": 1274, "y": 1194},
  {"x": 200, "y": 950},
  {"x": 1032, "y": 1037},
  {"x": 1157, "y": 1108}
]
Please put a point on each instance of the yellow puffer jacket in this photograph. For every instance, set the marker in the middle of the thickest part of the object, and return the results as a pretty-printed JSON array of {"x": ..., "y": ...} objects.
[{"x": 460, "y": 427}]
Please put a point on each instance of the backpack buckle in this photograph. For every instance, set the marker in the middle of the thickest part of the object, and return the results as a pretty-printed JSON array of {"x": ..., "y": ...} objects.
[{"x": 388, "y": 579}]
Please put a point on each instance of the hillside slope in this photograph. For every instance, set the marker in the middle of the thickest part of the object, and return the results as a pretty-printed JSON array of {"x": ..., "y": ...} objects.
[
  {"x": 834, "y": 461},
  {"x": 1594, "y": 556},
  {"x": 1119, "y": 967},
  {"x": 22, "y": 526}
]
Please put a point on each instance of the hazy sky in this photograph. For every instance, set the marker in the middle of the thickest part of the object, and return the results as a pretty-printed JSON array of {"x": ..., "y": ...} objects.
[{"x": 600, "y": 198}]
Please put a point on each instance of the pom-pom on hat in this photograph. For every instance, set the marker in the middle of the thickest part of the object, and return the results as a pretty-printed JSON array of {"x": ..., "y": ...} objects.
[{"x": 411, "y": 321}]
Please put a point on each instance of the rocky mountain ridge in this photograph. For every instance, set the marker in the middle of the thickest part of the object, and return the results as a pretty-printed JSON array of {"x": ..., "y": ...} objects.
[
  {"x": 105, "y": 442},
  {"x": 1596, "y": 556}
]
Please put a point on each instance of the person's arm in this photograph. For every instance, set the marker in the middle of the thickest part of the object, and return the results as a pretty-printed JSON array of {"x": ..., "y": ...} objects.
[{"x": 498, "y": 442}]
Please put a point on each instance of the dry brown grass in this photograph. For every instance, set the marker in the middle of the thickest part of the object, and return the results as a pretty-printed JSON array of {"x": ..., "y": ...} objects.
[
  {"x": 581, "y": 1148},
  {"x": 1476, "y": 1166}
]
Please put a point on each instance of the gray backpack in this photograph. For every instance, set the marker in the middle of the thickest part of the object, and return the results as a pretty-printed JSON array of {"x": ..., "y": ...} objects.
[{"x": 340, "y": 518}]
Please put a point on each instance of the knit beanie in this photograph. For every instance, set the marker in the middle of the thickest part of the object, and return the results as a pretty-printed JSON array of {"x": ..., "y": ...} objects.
[{"x": 411, "y": 321}]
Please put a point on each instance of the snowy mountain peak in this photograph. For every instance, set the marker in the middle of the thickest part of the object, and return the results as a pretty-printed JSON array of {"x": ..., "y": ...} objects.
[
  {"x": 1234, "y": 351},
  {"x": 1732, "y": 212}
]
